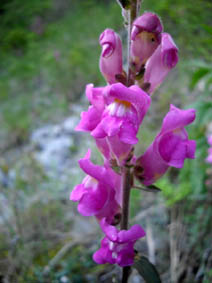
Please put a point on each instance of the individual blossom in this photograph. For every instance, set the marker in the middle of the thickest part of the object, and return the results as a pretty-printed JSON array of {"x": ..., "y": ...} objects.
[
  {"x": 118, "y": 246},
  {"x": 99, "y": 191},
  {"x": 145, "y": 37},
  {"x": 111, "y": 57},
  {"x": 116, "y": 133},
  {"x": 170, "y": 147},
  {"x": 209, "y": 158},
  {"x": 161, "y": 62}
]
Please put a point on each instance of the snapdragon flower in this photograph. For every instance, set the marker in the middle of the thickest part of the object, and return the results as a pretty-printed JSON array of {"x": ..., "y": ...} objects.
[
  {"x": 110, "y": 62},
  {"x": 116, "y": 133},
  {"x": 161, "y": 62},
  {"x": 118, "y": 246},
  {"x": 145, "y": 36},
  {"x": 99, "y": 193},
  {"x": 170, "y": 147}
]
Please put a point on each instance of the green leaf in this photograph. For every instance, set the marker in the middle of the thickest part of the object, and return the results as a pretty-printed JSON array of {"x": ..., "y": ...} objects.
[
  {"x": 146, "y": 269},
  {"x": 198, "y": 75},
  {"x": 153, "y": 188}
]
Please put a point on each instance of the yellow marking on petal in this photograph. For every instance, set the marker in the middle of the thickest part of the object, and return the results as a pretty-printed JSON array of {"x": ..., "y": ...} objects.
[
  {"x": 149, "y": 36},
  {"x": 125, "y": 103}
]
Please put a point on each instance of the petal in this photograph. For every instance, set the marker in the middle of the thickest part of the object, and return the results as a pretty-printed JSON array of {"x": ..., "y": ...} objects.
[
  {"x": 134, "y": 95},
  {"x": 110, "y": 62},
  {"x": 93, "y": 200},
  {"x": 89, "y": 120},
  {"x": 110, "y": 231},
  {"x": 100, "y": 173},
  {"x": 172, "y": 149},
  {"x": 191, "y": 148},
  {"x": 126, "y": 255},
  {"x": 77, "y": 192},
  {"x": 177, "y": 118},
  {"x": 150, "y": 166},
  {"x": 133, "y": 234},
  {"x": 161, "y": 62},
  {"x": 111, "y": 125},
  {"x": 103, "y": 255},
  {"x": 128, "y": 134},
  {"x": 95, "y": 96}
]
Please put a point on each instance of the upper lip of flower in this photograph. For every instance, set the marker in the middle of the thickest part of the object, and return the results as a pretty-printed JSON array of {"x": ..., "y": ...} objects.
[{"x": 107, "y": 50}]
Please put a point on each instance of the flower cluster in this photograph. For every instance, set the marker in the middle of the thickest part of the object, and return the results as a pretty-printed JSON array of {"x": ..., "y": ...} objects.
[{"x": 113, "y": 119}]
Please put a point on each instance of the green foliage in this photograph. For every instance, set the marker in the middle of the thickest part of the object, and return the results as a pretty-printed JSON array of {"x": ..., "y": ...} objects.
[{"x": 146, "y": 269}]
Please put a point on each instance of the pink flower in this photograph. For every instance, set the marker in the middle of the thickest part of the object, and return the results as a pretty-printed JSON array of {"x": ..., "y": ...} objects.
[
  {"x": 111, "y": 57},
  {"x": 118, "y": 246},
  {"x": 120, "y": 120},
  {"x": 145, "y": 36},
  {"x": 91, "y": 118},
  {"x": 209, "y": 158},
  {"x": 99, "y": 191},
  {"x": 170, "y": 147},
  {"x": 161, "y": 62}
]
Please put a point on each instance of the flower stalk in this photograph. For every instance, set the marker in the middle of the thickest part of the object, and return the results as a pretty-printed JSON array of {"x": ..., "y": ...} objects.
[{"x": 126, "y": 175}]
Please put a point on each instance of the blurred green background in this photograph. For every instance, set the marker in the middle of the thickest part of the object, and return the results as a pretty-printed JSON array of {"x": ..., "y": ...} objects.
[{"x": 49, "y": 51}]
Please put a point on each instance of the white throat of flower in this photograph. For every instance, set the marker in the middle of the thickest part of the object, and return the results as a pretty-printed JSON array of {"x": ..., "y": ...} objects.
[{"x": 119, "y": 108}]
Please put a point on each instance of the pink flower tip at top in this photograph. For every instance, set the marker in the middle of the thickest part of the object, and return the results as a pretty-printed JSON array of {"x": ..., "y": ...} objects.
[
  {"x": 170, "y": 147},
  {"x": 145, "y": 36},
  {"x": 110, "y": 62},
  {"x": 161, "y": 62},
  {"x": 118, "y": 246},
  {"x": 97, "y": 194}
]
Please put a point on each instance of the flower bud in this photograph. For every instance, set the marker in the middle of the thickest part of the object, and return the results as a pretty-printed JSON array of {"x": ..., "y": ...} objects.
[
  {"x": 145, "y": 36},
  {"x": 161, "y": 62},
  {"x": 110, "y": 63}
]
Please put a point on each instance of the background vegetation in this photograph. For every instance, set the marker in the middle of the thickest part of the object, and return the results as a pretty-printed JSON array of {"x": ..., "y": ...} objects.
[{"x": 48, "y": 52}]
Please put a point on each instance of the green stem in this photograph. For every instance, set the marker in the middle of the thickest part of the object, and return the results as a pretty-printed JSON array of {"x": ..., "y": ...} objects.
[{"x": 126, "y": 173}]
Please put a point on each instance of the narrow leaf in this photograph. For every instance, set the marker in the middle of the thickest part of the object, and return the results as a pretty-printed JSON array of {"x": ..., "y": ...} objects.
[
  {"x": 146, "y": 269},
  {"x": 153, "y": 188},
  {"x": 198, "y": 75}
]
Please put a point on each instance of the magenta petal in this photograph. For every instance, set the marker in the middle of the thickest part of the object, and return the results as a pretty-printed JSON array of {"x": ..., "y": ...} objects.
[
  {"x": 111, "y": 125},
  {"x": 93, "y": 201},
  {"x": 191, "y": 148},
  {"x": 172, "y": 149},
  {"x": 104, "y": 254},
  {"x": 126, "y": 255},
  {"x": 149, "y": 22},
  {"x": 77, "y": 192},
  {"x": 98, "y": 172},
  {"x": 210, "y": 140},
  {"x": 95, "y": 96},
  {"x": 177, "y": 118},
  {"x": 110, "y": 231},
  {"x": 153, "y": 166},
  {"x": 110, "y": 62},
  {"x": 128, "y": 134},
  {"x": 134, "y": 95},
  {"x": 133, "y": 234},
  {"x": 89, "y": 120},
  {"x": 99, "y": 132},
  {"x": 145, "y": 37},
  {"x": 103, "y": 147},
  {"x": 161, "y": 62},
  {"x": 118, "y": 149}
]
